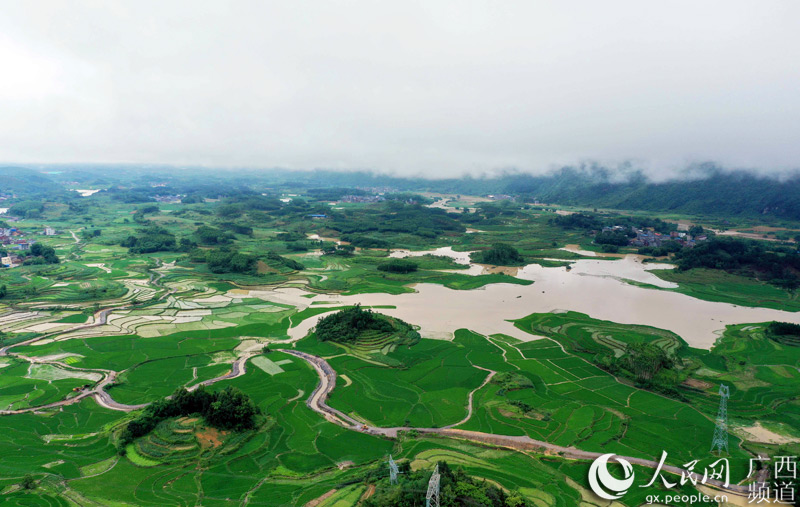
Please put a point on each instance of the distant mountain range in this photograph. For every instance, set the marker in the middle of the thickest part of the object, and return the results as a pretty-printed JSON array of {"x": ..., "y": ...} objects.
[
  {"x": 25, "y": 182},
  {"x": 718, "y": 192},
  {"x": 709, "y": 189}
]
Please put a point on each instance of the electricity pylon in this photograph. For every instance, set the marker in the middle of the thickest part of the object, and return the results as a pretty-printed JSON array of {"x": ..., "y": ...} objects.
[
  {"x": 432, "y": 498},
  {"x": 720, "y": 441},
  {"x": 393, "y": 470}
]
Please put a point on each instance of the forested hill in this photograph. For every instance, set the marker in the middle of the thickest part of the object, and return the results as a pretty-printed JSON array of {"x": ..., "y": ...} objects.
[
  {"x": 725, "y": 193},
  {"x": 712, "y": 191},
  {"x": 19, "y": 180},
  {"x": 709, "y": 190}
]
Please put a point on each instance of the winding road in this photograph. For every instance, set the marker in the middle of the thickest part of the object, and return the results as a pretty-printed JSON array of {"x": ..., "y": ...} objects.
[
  {"x": 317, "y": 402},
  {"x": 109, "y": 376}
]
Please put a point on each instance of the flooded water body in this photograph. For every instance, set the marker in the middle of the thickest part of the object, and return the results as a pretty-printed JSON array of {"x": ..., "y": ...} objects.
[{"x": 594, "y": 287}]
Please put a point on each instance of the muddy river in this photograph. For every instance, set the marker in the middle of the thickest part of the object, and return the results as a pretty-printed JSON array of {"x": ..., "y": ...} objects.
[{"x": 593, "y": 287}]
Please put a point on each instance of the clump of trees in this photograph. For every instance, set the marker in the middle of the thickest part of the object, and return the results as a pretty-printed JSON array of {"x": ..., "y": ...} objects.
[
  {"x": 340, "y": 250},
  {"x": 230, "y": 261},
  {"x": 91, "y": 234},
  {"x": 577, "y": 221},
  {"x": 347, "y": 325},
  {"x": 244, "y": 230},
  {"x": 229, "y": 409},
  {"x": 500, "y": 254},
  {"x": 275, "y": 259},
  {"x": 456, "y": 489},
  {"x": 41, "y": 254},
  {"x": 645, "y": 360},
  {"x": 28, "y": 482},
  {"x": 362, "y": 241},
  {"x": 212, "y": 236},
  {"x": 777, "y": 266},
  {"x": 141, "y": 213},
  {"x": 785, "y": 333},
  {"x": 398, "y": 266},
  {"x": 511, "y": 381},
  {"x": 27, "y": 209},
  {"x": 396, "y": 217},
  {"x": 616, "y": 238},
  {"x": 649, "y": 365},
  {"x": 150, "y": 239}
]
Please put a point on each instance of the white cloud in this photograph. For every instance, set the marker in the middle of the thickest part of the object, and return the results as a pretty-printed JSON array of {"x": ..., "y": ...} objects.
[{"x": 430, "y": 87}]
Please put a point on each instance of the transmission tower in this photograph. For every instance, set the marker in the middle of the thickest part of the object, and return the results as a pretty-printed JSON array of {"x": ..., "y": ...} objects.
[
  {"x": 721, "y": 432},
  {"x": 432, "y": 498},
  {"x": 393, "y": 470}
]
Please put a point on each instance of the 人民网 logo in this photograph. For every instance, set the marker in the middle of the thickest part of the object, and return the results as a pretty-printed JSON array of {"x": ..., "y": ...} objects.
[{"x": 606, "y": 485}]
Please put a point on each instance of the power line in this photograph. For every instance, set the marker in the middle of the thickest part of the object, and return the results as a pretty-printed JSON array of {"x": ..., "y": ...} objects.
[
  {"x": 720, "y": 441},
  {"x": 432, "y": 497}
]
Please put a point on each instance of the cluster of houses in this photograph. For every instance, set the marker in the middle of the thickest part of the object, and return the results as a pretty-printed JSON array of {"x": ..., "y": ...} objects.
[
  {"x": 169, "y": 199},
  {"x": 362, "y": 198},
  {"x": 648, "y": 237},
  {"x": 13, "y": 240}
]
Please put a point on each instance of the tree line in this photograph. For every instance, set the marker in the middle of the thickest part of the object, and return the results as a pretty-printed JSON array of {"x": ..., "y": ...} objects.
[
  {"x": 456, "y": 489},
  {"x": 229, "y": 409}
]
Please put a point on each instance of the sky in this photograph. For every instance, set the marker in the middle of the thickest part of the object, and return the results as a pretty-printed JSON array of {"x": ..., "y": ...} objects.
[{"x": 425, "y": 88}]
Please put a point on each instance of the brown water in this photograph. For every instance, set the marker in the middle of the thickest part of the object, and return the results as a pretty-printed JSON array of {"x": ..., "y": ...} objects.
[{"x": 593, "y": 287}]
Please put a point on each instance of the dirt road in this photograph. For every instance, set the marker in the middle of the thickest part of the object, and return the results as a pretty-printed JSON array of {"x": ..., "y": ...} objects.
[{"x": 327, "y": 382}]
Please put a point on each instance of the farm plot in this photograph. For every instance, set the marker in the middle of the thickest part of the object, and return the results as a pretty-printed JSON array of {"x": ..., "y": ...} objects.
[
  {"x": 293, "y": 457},
  {"x": 122, "y": 352},
  {"x": 158, "y": 378},
  {"x": 570, "y": 402},
  {"x": 181, "y": 439},
  {"x": 31, "y": 321},
  {"x": 198, "y": 315},
  {"x": 68, "y": 284},
  {"x": 430, "y": 390},
  {"x": 375, "y": 347},
  {"x": 24, "y": 385},
  {"x": 51, "y": 372},
  {"x": 266, "y": 365},
  {"x": 587, "y": 337},
  {"x": 762, "y": 375},
  {"x": 67, "y": 440}
]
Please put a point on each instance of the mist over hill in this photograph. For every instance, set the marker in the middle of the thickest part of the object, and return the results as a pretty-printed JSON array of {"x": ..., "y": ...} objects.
[
  {"x": 20, "y": 180},
  {"x": 706, "y": 189}
]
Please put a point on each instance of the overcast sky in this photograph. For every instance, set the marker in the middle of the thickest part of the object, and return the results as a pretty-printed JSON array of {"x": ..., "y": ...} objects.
[{"x": 428, "y": 87}]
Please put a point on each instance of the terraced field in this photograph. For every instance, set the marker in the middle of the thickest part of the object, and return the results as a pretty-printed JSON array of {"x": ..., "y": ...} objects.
[{"x": 128, "y": 329}]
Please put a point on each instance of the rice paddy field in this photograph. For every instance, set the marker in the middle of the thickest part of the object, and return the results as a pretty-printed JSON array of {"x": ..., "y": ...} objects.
[{"x": 128, "y": 329}]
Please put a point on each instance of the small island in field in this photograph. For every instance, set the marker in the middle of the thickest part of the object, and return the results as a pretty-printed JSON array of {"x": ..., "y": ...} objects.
[
  {"x": 355, "y": 324},
  {"x": 500, "y": 254}
]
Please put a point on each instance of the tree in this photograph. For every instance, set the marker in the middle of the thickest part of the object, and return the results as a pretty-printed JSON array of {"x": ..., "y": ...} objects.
[
  {"x": 231, "y": 409},
  {"x": 43, "y": 255},
  {"x": 398, "y": 266},
  {"x": 28, "y": 482},
  {"x": 500, "y": 254},
  {"x": 228, "y": 409}
]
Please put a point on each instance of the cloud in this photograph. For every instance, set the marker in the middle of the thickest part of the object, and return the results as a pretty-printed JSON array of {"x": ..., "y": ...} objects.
[{"x": 432, "y": 88}]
